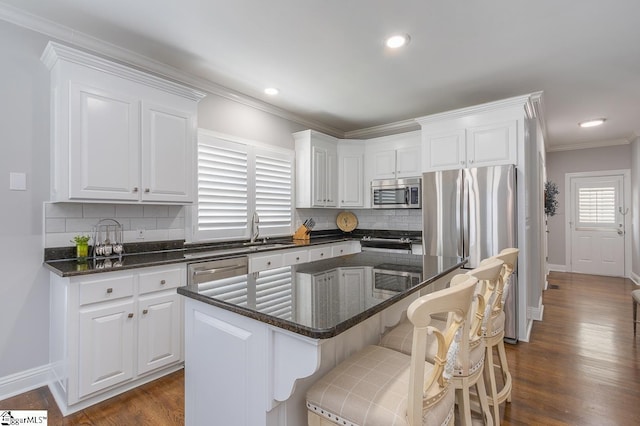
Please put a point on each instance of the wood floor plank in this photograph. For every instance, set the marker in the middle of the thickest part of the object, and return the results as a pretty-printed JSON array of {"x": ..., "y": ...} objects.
[{"x": 582, "y": 367}]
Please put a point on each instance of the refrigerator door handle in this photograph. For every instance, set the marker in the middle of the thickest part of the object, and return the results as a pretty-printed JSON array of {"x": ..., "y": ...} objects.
[{"x": 464, "y": 214}]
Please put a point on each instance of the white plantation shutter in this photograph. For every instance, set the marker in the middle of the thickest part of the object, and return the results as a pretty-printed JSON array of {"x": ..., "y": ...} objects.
[
  {"x": 597, "y": 206},
  {"x": 222, "y": 189},
  {"x": 273, "y": 184},
  {"x": 236, "y": 178}
]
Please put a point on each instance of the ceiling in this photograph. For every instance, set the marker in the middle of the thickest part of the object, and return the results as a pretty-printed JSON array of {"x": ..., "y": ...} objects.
[{"x": 328, "y": 60}]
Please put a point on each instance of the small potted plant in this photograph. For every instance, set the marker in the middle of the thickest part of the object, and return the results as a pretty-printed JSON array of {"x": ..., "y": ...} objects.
[{"x": 82, "y": 246}]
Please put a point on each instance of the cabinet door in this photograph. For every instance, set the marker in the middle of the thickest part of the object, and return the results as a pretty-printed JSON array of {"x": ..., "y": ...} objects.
[
  {"x": 167, "y": 154},
  {"x": 351, "y": 181},
  {"x": 444, "y": 151},
  {"x": 331, "y": 177},
  {"x": 104, "y": 154},
  {"x": 319, "y": 176},
  {"x": 384, "y": 164},
  {"x": 159, "y": 331},
  {"x": 105, "y": 347},
  {"x": 492, "y": 145},
  {"x": 408, "y": 161}
]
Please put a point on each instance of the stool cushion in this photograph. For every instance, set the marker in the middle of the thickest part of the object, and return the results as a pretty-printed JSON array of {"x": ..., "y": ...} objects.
[
  {"x": 636, "y": 295},
  {"x": 400, "y": 339},
  {"x": 371, "y": 388}
]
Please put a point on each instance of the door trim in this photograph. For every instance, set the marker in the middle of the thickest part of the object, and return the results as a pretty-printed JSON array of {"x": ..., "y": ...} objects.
[{"x": 568, "y": 202}]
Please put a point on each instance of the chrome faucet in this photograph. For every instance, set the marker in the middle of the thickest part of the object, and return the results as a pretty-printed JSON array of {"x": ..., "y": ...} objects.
[{"x": 255, "y": 228}]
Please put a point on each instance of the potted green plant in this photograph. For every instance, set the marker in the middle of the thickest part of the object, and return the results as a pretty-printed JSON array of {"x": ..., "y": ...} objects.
[
  {"x": 550, "y": 198},
  {"x": 82, "y": 246}
]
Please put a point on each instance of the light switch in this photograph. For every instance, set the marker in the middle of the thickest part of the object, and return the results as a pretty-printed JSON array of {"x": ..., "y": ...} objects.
[{"x": 17, "y": 181}]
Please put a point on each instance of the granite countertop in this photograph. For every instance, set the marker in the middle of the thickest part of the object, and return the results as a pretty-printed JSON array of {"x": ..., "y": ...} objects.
[
  {"x": 324, "y": 309},
  {"x": 73, "y": 267},
  {"x": 61, "y": 262}
]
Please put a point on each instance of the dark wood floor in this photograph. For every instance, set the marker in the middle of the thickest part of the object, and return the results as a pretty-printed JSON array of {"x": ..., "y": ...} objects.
[{"x": 582, "y": 367}]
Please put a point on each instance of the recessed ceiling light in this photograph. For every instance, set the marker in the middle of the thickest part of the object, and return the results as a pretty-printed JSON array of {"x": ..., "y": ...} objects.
[
  {"x": 592, "y": 123},
  {"x": 272, "y": 91},
  {"x": 397, "y": 41}
]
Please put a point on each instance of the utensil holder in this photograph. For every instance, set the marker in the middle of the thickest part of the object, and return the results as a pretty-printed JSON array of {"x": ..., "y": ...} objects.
[
  {"x": 103, "y": 246},
  {"x": 302, "y": 233}
]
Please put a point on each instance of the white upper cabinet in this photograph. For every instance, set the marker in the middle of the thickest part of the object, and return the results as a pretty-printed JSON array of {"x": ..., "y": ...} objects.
[
  {"x": 119, "y": 135},
  {"x": 316, "y": 169},
  {"x": 351, "y": 173},
  {"x": 476, "y": 140},
  {"x": 392, "y": 157}
]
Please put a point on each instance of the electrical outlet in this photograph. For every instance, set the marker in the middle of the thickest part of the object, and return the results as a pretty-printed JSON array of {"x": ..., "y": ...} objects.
[{"x": 140, "y": 232}]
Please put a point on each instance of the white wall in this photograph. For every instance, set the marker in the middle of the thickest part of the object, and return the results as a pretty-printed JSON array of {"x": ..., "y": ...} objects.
[
  {"x": 581, "y": 160},
  {"x": 635, "y": 210},
  {"x": 24, "y": 130}
]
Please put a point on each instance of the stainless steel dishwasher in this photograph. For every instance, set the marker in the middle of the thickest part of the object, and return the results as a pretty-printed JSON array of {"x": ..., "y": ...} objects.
[{"x": 213, "y": 270}]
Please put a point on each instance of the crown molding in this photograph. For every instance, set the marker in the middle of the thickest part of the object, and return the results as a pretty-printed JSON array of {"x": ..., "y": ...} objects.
[
  {"x": 127, "y": 57},
  {"x": 55, "y": 52},
  {"x": 383, "y": 130},
  {"x": 516, "y": 101},
  {"x": 586, "y": 145}
]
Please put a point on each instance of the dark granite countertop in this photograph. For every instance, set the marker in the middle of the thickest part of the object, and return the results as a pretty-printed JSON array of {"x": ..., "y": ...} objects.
[
  {"x": 73, "y": 267},
  {"x": 60, "y": 261},
  {"x": 324, "y": 309}
]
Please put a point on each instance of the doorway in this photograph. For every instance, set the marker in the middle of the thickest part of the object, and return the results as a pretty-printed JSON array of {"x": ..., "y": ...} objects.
[{"x": 597, "y": 205}]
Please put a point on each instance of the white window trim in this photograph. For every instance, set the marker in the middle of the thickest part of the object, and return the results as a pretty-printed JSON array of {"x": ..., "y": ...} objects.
[{"x": 191, "y": 218}]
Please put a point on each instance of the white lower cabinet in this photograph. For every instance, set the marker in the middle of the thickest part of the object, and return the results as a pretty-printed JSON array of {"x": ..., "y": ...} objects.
[
  {"x": 296, "y": 256},
  {"x": 105, "y": 347},
  {"x": 159, "y": 331},
  {"x": 113, "y": 331}
]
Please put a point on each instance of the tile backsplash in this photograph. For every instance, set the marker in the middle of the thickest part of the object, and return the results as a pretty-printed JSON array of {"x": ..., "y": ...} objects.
[
  {"x": 391, "y": 219},
  {"x": 63, "y": 221}
]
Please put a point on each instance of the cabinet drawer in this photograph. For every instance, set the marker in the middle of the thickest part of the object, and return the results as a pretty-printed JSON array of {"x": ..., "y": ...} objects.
[
  {"x": 160, "y": 280},
  {"x": 319, "y": 253},
  {"x": 343, "y": 249},
  {"x": 106, "y": 289},
  {"x": 263, "y": 263},
  {"x": 295, "y": 257}
]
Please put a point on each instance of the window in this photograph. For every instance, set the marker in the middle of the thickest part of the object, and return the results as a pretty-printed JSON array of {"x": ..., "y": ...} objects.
[
  {"x": 237, "y": 178},
  {"x": 597, "y": 205}
]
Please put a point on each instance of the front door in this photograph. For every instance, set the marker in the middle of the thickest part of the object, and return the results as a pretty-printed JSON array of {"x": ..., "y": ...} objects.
[{"x": 597, "y": 225}]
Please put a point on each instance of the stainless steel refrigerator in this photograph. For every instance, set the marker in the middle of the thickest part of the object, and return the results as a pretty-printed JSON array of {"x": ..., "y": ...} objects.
[{"x": 472, "y": 213}]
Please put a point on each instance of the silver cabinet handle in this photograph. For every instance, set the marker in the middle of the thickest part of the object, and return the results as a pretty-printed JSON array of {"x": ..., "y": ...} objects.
[
  {"x": 145, "y": 311},
  {"x": 146, "y": 190},
  {"x": 269, "y": 263},
  {"x": 109, "y": 290},
  {"x": 163, "y": 282},
  {"x": 130, "y": 315},
  {"x": 135, "y": 189}
]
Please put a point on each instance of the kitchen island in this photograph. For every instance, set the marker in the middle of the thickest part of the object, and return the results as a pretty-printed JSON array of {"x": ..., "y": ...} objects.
[{"x": 255, "y": 343}]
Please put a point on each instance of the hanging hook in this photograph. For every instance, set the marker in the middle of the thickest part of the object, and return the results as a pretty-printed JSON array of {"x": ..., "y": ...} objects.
[{"x": 625, "y": 211}]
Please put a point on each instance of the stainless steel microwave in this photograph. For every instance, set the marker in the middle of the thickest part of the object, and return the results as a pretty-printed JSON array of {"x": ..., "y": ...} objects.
[{"x": 397, "y": 193}]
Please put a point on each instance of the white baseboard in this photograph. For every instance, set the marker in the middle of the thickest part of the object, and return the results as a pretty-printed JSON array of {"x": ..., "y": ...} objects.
[
  {"x": 635, "y": 278},
  {"x": 557, "y": 268},
  {"x": 537, "y": 313},
  {"x": 24, "y": 381}
]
